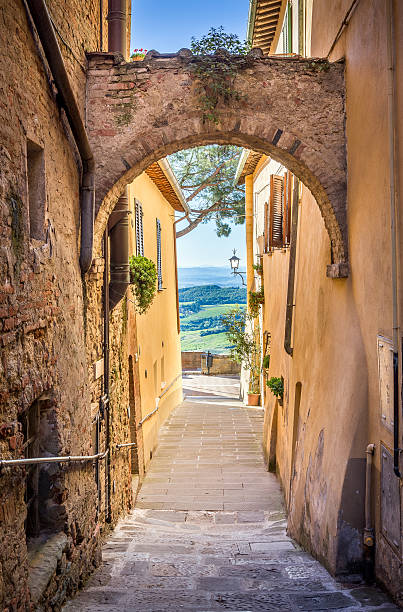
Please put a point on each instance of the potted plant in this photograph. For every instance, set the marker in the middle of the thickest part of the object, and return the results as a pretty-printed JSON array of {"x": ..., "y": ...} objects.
[
  {"x": 138, "y": 55},
  {"x": 143, "y": 279},
  {"x": 276, "y": 386},
  {"x": 242, "y": 332}
]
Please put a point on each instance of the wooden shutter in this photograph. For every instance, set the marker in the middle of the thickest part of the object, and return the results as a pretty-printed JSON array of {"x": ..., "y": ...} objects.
[
  {"x": 288, "y": 180},
  {"x": 159, "y": 262},
  {"x": 139, "y": 228},
  {"x": 276, "y": 211}
]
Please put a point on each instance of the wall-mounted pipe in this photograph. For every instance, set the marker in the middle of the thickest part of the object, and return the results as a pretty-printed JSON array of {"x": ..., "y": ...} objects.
[
  {"x": 117, "y": 23},
  {"x": 47, "y": 36},
  {"x": 119, "y": 250},
  {"x": 104, "y": 402},
  {"x": 291, "y": 270},
  {"x": 369, "y": 534},
  {"x": 118, "y": 225},
  {"x": 394, "y": 195}
]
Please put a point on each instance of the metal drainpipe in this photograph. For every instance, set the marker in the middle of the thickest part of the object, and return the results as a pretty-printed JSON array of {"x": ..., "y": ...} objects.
[
  {"x": 118, "y": 228},
  {"x": 369, "y": 536},
  {"x": 105, "y": 404},
  {"x": 47, "y": 36},
  {"x": 117, "y": 276},
  {"x": 394, "y": 207},
  {"x": 118, "y": 225},
  {"x": 291, "y": 270}
]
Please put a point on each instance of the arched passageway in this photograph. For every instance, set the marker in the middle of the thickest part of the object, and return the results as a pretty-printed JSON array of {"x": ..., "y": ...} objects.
[{"x": 289, "y": 108}]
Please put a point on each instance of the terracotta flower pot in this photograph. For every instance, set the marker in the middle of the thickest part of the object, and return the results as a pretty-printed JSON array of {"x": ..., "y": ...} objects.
[{"x": 253, "y": 399}]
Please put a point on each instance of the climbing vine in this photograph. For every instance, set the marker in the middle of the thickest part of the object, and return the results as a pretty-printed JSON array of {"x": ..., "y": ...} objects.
[
  {"x": 219, "y": 58},
  {"x": 143, "y": 278}
]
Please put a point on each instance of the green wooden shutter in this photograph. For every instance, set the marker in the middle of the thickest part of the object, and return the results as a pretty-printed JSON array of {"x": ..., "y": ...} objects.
[
  {"x": 139, "y": 229},
  {"x": 276, "y": 211},
  {"x": 159, "y": 262}
]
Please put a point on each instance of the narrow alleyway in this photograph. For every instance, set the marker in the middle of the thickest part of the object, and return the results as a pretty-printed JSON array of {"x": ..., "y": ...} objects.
[{"x": 209, "y": 529}]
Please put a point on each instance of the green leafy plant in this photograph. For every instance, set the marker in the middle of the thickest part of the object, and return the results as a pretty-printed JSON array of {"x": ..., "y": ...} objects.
[
  {"x": 241, "y": 331},
  {"x": 220, "y": 56},
  {"x": 143, "y": 278},
  {"x": 266, "y": 362},
  {"x": 276, "y": 386},
  {"x": 259, "y": 268},
  {"x": 255, "y": 299}
]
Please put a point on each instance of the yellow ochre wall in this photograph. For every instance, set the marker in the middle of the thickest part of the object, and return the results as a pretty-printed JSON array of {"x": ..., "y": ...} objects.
[
  {"x": 158, "y": 340},
  {"x": 320, "y": 454}
]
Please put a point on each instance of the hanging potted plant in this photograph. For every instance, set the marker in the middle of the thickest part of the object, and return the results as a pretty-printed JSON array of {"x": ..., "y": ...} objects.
[
  {"x": 242, "y": 332},
  {"x": 143, "y": 279}
]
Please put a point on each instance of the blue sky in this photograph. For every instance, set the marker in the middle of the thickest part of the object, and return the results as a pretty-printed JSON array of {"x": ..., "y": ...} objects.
[{"x": 167, "y": 27}]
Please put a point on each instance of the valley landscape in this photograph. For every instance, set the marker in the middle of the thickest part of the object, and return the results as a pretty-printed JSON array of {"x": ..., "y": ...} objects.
[{"x": 205, "y": 294}]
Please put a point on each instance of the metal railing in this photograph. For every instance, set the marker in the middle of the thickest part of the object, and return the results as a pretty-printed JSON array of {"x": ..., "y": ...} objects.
[
  {"x": 126, "y": 445},
  {"x": 159, "y": 398},
  {"x": 64, "y": 459}
]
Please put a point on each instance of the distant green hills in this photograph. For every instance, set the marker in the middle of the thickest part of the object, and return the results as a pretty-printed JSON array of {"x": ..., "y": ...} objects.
[
  {"x": 213, "y": 294},
  {"x": 207, "y": 275},
  {"x": 201, "y": 308}
]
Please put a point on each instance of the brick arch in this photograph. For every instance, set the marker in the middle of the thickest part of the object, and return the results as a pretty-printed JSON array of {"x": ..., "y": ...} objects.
[{"x": 139, "y": 112}]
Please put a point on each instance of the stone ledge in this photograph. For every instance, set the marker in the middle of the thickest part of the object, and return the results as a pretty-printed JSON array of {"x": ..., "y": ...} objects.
[{"x": 43, "y": 564}]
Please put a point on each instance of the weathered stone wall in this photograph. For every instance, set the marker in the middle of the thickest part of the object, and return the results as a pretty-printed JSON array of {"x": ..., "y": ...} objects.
[
  {"x": 50, "y": 322},
  {"x": 290, "y": 109}
]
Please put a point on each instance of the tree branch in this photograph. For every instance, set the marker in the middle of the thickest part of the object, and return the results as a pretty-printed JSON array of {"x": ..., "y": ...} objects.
[
  {"x": 199, "y": 219},
  {"x": 206, "y": 182}
]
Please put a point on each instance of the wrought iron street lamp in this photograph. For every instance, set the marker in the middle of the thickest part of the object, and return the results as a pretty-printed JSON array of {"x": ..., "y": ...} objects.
[{"x": 234, "y": 262}]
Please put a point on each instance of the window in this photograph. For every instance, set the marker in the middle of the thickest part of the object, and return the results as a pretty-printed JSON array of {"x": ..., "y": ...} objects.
[
  {"x": 36, "y": 190},
  {"x": 287, "y": 30},
  {"x": 138, "y": 214},
  {"x": 277, "y": 212},
  {"x": 159, "y": 262}
]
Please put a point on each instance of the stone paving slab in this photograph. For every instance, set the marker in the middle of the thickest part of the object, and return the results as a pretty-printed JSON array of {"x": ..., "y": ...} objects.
[{"x": 217, "y": 539}]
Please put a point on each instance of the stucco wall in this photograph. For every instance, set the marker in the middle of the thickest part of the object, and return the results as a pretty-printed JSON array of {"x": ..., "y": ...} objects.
[
  {"x": 336, "y": 322},
  {"x": 157, "y": 333},
  {"x": 368, "y": 205}
]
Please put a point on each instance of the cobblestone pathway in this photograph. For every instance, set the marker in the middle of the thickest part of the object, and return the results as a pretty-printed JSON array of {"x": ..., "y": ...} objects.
[{"x": 209, "y": 530}]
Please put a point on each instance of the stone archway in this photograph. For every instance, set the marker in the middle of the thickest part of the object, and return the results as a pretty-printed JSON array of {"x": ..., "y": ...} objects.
[{"x": 292, "y": 109}]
